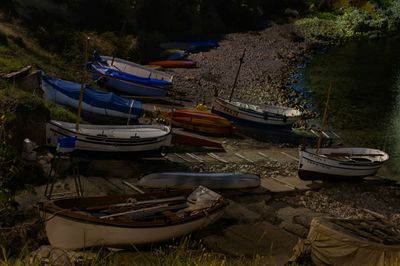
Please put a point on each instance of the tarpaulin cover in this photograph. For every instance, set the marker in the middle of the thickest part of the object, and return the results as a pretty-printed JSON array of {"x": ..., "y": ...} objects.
[
  {"x": 107, "y": 100},
  {"x": 331, "y": 244},
  {"x": 116, "y": 74}
]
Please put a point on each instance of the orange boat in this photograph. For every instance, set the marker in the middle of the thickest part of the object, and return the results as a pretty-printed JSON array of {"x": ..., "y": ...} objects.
[
  {"x": 174, "y": 63},
  {"x": 200, "y": 121}
]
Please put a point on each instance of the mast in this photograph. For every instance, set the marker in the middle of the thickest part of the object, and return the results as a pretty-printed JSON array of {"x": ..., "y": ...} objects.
[
  {"x": 82, "y": 90},
  {"x": 237, "y": 74},
  {"x": 324, "y": 117}
]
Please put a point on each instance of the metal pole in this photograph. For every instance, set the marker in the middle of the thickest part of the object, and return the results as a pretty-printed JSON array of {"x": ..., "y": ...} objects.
[
  {"x": 78, "y": 118},
  {"x": 237, "y": 74}
]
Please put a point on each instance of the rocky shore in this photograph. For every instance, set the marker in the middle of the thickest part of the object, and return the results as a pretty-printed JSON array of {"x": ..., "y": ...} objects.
[
  {"x": 270, "y": 58},
  {"x": 264, "y": 218}
]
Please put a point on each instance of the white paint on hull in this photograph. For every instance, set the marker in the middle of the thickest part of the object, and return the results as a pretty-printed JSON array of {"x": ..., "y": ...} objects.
[{"x": 75, "y": 234}]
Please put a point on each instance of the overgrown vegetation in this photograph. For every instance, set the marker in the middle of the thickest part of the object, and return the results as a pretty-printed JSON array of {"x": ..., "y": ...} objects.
[
  {"x": 352, "y": 19},
  {"x": 184, "y": 253}
]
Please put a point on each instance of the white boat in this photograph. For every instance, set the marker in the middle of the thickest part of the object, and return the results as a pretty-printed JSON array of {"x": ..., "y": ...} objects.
[
  {"x": 129, "y": 220},
  {"x": 256, "y": 114},
  {"x": 343, "y": 163},
  {"x": 185, "y": 180},
  {"x": 111, "y": 138}
]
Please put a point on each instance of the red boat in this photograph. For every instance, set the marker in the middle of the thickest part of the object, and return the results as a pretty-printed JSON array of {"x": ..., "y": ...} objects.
[
  {"x": 200, "y": 121},
  {"x": 174, "y": 63}
]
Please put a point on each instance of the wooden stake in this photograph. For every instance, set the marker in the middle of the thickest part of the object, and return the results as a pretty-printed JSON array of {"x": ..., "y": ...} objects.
[
  {"x": 237, "y": 74},
  {"x": 78, "y": 118}
]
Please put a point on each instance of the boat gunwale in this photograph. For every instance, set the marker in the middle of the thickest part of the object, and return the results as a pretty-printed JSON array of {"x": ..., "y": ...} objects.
[
  {"x": 350, "y": 163},
  {"x": 225, "y": 102},
  {"x": 94, "y": 137},
  {"x": 52, "y": 208}
]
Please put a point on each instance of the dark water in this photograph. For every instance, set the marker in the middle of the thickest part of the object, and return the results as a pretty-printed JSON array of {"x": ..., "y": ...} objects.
[{"x": 365, "y": 99}]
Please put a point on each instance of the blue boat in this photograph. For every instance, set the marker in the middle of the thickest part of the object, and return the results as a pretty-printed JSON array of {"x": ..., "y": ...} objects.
[
  {"x": 190, "y": 46},
  {"x": 129, "y": 77},
  {"x": 94, "y": 102}
]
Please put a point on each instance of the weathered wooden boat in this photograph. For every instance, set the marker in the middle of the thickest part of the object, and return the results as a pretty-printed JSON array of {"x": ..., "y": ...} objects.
[
  {"x": 339, "y": 163},
  {"x": 256, "y": 114},
  {"x": 129, "y": 220},
  {"x": 185, "y": 180},
  {"x": 189, "y": 46},
  {"x": 200, "y": 121},
  {"x": 111, "y": 138},
  {"x": 174, "y": 63},
  {"x": 96, "y": 102},
  {"x": 129, "y": 77}
]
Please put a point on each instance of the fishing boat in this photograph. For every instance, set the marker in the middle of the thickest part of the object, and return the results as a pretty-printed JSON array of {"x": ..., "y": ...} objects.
[
  {"x": 129, "y": 77},
  {"x": 111, "y": 138},
  {"x": 260, "y": 115},
  {"x": 186, "y": 180},
  {"x": 96, "y": 102},
  {"x": 129, "y": 220},
  {"x": 343, "y": 163},
  {"x": 174, "y": 63},
  {"x": 200, "y": 121},
  {"x": 338, "y": 163}
]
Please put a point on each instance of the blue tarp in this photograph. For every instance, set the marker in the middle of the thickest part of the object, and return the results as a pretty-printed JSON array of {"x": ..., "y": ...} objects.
[
  {"x": 107, "y": 100},
  {"x": 120, "y": 75}
]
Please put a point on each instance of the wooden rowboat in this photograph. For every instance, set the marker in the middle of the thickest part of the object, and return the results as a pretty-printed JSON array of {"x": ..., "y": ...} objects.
[
  {"x": 129, "y": 77},
  {"x": 174, "y": 63},
  {"x": 111, "y": 138},
  {"x": 185, "y": 180},
  {"x": 200, "y": 121},
  {"x": 129, "y": 220},
  {"x": 260, "y": 115},
  {"x": 339, "y": 163}
]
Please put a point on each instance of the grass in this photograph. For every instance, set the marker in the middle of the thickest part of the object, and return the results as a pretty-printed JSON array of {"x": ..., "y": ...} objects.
[{"x": 184, "y": 253}]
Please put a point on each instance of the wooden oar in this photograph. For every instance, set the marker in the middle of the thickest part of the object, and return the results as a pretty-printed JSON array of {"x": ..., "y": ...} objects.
[
  {"x": 135, "y": 203},
  {"x": 147, "y": 211}
]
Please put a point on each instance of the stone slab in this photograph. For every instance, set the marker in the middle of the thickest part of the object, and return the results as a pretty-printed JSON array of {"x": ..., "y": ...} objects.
[{"x": 263, "y": 239}]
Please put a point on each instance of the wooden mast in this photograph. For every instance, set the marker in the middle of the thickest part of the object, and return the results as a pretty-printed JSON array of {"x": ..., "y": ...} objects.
[
  {"x": 82, "y": 90},
  {"x": 324, "y": 117},
  {"x": 237, "y": 74}
]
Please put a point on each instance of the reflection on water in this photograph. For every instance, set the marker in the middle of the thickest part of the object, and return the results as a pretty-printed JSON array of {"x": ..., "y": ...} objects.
[{"x": 365, "y": 99}]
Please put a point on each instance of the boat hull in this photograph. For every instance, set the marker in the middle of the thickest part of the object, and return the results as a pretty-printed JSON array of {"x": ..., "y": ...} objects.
[
  {"x": 126, "y": 138},
  {"x": 174, "y": 63},
  {"x": 201, "y": 121},
  {"x": 252, "y": 118},
  {"x": 74, "y": 223},
  {"x": 316, "y": 166},
  {"x": 56, "y": 96},
  {"x": 68, "y": 233},
  {"x": 129, "y": 86},
  {"x": 187, "y": 180}
]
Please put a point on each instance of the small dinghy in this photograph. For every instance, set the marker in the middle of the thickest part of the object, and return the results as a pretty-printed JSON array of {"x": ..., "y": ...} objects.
[
  {"x": 111, "y": 138},
  {"x": 339, "y": 163},
  {"x": 200, "y": 121},
  {"x": 96, "y": 102},
  {"x": 129, "y": 220},
  {"x": 129, "y": 77},
  {"x": 183, "y": 180}
]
